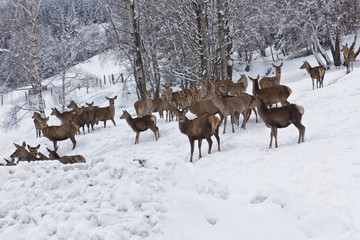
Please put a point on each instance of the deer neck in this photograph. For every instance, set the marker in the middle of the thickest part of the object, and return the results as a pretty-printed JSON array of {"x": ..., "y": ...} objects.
[
  {"x": 255, "y": 86},
  {"x": 184, "y": 126},
  {"x": 218, "y": 101}
]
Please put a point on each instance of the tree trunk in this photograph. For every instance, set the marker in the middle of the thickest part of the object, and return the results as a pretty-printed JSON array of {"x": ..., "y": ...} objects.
[
  {"x": 222, "y": 44},
  {"x": 36, "y": 73},
  {"x": 202, "y": 23},
  {"x": 136, "y": 45}
]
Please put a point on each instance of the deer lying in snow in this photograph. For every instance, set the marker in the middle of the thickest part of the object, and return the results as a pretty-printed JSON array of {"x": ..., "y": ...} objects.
[
  {"x": 141, "y": 124},
  {"x": 53, "y": 155},
  {"x": 35, "y": 152},
  {"x": 281, "y": 117},
  {"x": 22, "y": 154}
]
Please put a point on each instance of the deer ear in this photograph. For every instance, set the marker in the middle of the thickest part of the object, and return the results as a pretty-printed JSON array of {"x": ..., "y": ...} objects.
[
  {"x": 38, "y": 146},
  {"x": 24, "y": 144},
  {"x": 115, "y": 97},
  {"x": 281, "y": 65},
  {"x": 17, "y": 146},
  {"x": 106, "y": 97}
]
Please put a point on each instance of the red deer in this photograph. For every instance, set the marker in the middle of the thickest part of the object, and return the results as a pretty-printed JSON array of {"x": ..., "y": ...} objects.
[
  {"x": 35, "y": 152},
  {"x": 229, "y": 106},
  {"x": 53, "y": 155},
  {"x": 8, "y": 162},
  {"x": 158, "y": 106},
  {"x": 83, "y": 116},
  {"x": 199, "y": 128},
  {"x": 144, "y": 107},
  {"x": 22, "y": 154},
  {"x": 59, "y": 133},
  {"x": 64, "y": 117},
  {"x": 317, "y": 73},
  {"x": 106, "y": 113},
  {"x": 141, "y": 124},
  {"x": 281, "y": 117},
  {"x": 275, "y": 94},
  {"x": 349, "y": 58},
  {"x": 37, "y": 116},
  {"x": 267, "y": 82}
]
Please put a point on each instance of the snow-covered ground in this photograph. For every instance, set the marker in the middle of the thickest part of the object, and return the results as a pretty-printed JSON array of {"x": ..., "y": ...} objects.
[{"x": 246, "y": 191}]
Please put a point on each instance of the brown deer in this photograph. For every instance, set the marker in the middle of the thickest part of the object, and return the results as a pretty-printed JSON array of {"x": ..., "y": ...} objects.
[
  {"x": 244, "y": 81},
  {"x": 37, "y": 116},
  {"x": 141, "y": 124},
  {"x": 106, "y": 113},
  {"x": 83, "y": 116},
  {"x": 59, "y": 133},
  {"x": 267, "y": 82},
  {"x": 158, "y": 106},
  {"x": 22, "y": 154},
  {"x": 64, "y": 117},
  {"x": 281, "y": 117},
  {"x": 144, "y": 107},
  {"x": 275, "y": 94},
  {"x": 349, "y": 58},
  {"x": 199, "y": 128},
  {"x": 229, "y": 106},
  {"x": 8, "y": 162},
  {"x": 35, "y": 152},
  {"x": 317, "y": 73},
  {"x": 53, "y": 155}
]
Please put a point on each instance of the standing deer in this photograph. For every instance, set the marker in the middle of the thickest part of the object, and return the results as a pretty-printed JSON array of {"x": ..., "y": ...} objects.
[
  {"x": 349, "y": 58},
  {"x": 141, "y": 124},
  {"x": 144, "y": 107},
  {"x": 267, "y": 82},
  {"x": 229, "y": 106},
  {"x": 275, "y": 94},
  {"x": 106, "y": 113},
  {"x": 37, "y": 116},
  {"x": 64, "y": 117},
  {"x": 317, "y": 73},
  {"x": 199, "y": 128},
  {"x": 59, "y": 133},
  {"x": 281, "y": 117}
]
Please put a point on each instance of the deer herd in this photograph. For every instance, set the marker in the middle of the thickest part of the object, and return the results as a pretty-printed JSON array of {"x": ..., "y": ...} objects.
[{"x": 207, "y": 100}]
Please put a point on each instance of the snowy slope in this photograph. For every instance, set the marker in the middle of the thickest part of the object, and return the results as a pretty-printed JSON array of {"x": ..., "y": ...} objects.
[{"x": 246, "y": 191}]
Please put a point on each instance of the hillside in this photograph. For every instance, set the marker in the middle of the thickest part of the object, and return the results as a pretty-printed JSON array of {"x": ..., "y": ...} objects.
[{"x": 246, "y": 191}]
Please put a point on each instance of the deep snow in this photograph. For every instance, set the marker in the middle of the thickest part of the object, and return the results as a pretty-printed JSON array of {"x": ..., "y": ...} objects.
[{"x": 246, "y": 191}]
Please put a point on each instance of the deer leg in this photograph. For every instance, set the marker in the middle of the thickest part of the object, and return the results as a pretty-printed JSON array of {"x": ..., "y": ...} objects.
[
  {"x": 191, "y": 148},
  {"x": 301, "y": 129},
  {"x": 275, "y": 135},
  {"x": 217, "y": 139},
  {"x": 245, "y": 120},
  {"x": 105, "y": 124},
  {"x": 137, "y": 137},
  {"x": 209, "y": 140},
  {"x": 271, "y": 138},
  {"x": 155, "y": 131},
  {"x": 112, "y": 119},
  {"x": 73, "y": 141},
  {"x": 232, "y": 122},
  {"x": 199, "y": 145},
  {"x": 225, "y": 120},
  {"x": 312, "y": 82},
  {"x": 55, "y": 143}
]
